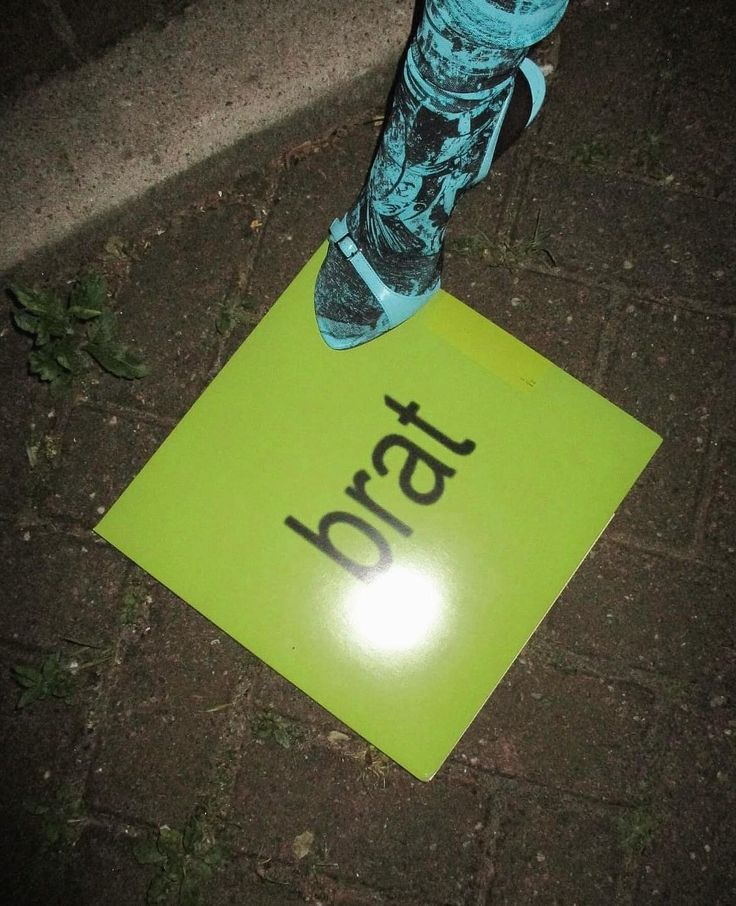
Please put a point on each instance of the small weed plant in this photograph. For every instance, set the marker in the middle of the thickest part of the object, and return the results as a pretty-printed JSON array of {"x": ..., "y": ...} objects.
[
  {"x": 185, "y": 861},
  {"x": 71, "y": 332},
  {"x": 57, "y": 676},
  {"x": 591, "y": 154},
  {"x": 62, "y": 818},
  {"x": 504, "y": 253},
  {"x": 270, "y": 727},
  {"x": 235, "y": 310},
  {"x": 636, "y": 830}
]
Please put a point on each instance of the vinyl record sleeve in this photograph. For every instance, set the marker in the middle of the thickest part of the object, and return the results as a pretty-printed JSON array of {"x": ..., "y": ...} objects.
[{"x": 481, "y": 475}]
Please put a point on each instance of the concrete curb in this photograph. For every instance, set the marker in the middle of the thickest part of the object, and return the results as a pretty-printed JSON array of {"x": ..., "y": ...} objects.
[{"x": 87, "y": 142}]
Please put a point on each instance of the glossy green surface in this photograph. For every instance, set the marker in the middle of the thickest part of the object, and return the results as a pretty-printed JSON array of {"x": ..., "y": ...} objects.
[{"x": 400, "y": 621}]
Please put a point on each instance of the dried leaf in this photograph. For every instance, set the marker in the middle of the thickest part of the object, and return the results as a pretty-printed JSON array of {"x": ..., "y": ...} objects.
[
  {"x": 302, "y": 844},
  {"x": 116, "y": 247}
]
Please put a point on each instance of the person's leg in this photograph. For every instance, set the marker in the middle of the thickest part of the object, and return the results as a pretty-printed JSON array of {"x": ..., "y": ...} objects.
[{"x": 448, "y": 112}]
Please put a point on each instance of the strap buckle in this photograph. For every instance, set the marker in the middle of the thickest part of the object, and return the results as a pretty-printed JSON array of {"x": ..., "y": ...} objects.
[{"x": 342, "y": 238}]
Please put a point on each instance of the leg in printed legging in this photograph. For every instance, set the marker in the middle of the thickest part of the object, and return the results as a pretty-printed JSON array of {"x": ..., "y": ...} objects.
[{"x": 466, "y": 91}]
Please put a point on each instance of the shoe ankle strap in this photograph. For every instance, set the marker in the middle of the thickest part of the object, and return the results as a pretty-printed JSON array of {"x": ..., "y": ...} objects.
[{"x": 398, "y": 307}]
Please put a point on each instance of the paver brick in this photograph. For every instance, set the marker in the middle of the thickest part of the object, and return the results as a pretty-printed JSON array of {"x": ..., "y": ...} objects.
[
  {"x": 101, "y": 454},
  {"x": 701, "y": 74},
  {"x": 569, "y": 731},
  {"x": 555, "y": 851},
  {"x": 75, "y": 594},
  {"x": 43, "y": 753},
  {"x": 178, "y": 659},
  {"x": 721, "y": 523},
  {"x": 557, "y": 317},
  {"x": 666, "y": 370},
  {"x": 153, "y": 763},
  {"x": 689, "y": 859},
  {"x": 645, "y": 611},
  {"x": 604, "y": 121},
  {"x": 613, "y": 229},
  {"x": 104, "y": 869},
  {"x": 172, "y": 694},
  {"x": 406, "y": 838},
  {"x": 16, "y": 419}
]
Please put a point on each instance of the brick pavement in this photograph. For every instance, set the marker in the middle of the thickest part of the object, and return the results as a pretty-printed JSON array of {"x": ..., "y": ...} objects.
[{"x": 601, "y": 771}]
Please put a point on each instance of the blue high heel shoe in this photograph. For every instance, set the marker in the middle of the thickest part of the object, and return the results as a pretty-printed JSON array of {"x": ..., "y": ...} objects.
[{"x": 398, "y": 307}]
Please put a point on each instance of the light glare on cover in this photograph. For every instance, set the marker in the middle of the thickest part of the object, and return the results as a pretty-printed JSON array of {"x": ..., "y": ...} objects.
[{"x": 400, "y": 610}]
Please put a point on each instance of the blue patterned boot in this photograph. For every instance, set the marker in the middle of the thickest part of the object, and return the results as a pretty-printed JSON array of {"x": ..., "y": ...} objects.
[{"x": 467, "y": 91}]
